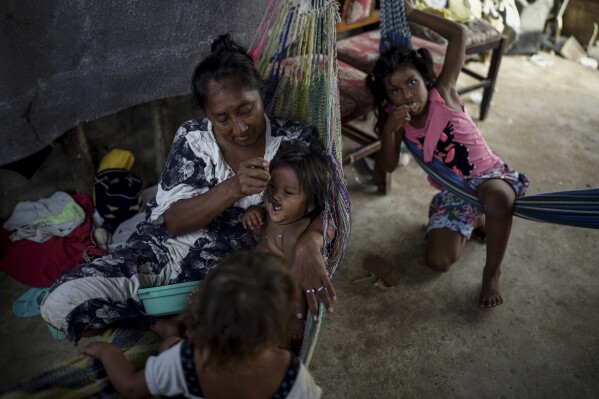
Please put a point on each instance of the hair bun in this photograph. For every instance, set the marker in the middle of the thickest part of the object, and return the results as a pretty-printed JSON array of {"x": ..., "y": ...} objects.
[{"x": 224, "y": 43}]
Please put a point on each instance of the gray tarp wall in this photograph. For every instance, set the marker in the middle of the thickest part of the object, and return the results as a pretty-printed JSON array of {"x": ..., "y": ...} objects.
[{"x": 67, "y": 62}]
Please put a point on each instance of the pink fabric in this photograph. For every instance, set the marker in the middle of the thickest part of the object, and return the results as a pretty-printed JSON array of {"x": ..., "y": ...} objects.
[
  {"x": 40, "y": 264},
  {"x": 355, "y": 98},
  {"x": 358, "y": 10},
  {"x": 464, "y": 132},
  {"x": 362, "y": 51}
]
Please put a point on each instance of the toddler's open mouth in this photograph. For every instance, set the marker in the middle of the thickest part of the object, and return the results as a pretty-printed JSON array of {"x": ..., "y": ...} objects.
[
  {"x": 276, "y": 205},
  {"x": 414, "y": 107}
]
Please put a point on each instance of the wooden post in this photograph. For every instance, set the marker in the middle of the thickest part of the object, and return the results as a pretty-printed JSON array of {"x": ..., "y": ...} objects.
[
  {"x": 161, "y": 126},
  {"x": 80, "y": 160}
]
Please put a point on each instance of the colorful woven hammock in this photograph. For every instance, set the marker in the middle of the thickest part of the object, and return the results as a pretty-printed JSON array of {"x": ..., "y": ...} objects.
[
  {"x": 578, "y": 208},
  {"x": 82, "y": 376},
  {"x": 295, "y": 51}
]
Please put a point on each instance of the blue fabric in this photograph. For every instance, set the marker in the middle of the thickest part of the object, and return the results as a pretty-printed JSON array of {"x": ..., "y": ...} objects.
[
  {"x": 27, "y": 305},
  {"x": 579, "y": 208}
]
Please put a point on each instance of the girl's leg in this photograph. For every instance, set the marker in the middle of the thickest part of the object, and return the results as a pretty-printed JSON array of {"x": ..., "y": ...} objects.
[
  {"x": 443, "y": 248},
  {"x": 497, "y": 198}
]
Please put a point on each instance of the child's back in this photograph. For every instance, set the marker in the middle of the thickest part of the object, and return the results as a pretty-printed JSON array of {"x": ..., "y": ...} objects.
[{"x": 237, "y": 324}]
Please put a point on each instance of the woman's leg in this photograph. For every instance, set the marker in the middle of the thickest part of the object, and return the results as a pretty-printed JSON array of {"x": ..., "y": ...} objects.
[
  {"x": 101, "y": 293},
  {"x": 497, "y": 198}
]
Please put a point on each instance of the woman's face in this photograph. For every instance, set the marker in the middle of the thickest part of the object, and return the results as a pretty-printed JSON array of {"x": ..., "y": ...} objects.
[
  {"x": 284, "y": 199},
  {"x": 237, "y": 114},
  {"x": 407, "y": 86}
]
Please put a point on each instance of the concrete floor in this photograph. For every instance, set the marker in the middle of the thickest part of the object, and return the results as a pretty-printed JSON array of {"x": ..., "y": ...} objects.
[{"x": 426, "y": 337}]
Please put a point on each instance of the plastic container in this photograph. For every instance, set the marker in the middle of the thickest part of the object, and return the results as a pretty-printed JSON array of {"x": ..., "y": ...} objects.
[
  {"x": 56, "y": 333},
  {"x": 166, "y": 299}
]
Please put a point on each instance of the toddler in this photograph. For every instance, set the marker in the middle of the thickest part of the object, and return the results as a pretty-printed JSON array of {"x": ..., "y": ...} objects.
[
  {"x": 236, "y": 324},
  {"x": 295, "y": 194}
]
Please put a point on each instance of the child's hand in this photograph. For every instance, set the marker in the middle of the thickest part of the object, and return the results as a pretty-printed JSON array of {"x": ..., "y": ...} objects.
[
  {"x": 396, "y": 119},
  {"x": 253, "y": 218},
  {"x": 409, "y": 7},
  {"x": 95, "y": 349}
]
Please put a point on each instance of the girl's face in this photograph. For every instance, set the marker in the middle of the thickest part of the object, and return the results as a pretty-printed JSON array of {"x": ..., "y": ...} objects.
[
  {"x": 407, "y": 86},
  {"x": 285, "y": 201},
  {"x": 237, "y": 114}
]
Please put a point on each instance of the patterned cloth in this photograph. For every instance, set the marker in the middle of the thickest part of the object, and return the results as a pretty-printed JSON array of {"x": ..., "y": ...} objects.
[
  {"x": 104, "y": 291},
  {"x": 449, "y": 211}
]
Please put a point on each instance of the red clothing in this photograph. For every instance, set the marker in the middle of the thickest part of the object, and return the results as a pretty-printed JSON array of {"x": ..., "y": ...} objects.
[{"x": 40, "y": 264}]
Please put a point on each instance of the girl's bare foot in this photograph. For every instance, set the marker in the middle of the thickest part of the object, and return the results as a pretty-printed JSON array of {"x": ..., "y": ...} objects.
[{"x": 489, "y": 293}]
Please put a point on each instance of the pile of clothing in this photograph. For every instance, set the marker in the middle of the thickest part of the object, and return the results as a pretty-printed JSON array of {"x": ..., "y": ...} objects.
[{"x": 42, "y": 239}]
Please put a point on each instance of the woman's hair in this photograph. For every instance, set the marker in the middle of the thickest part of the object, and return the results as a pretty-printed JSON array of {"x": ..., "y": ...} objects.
[
  {"x": 393, "y": 59},
  {"x": 311, "y": 165},
  {"x": 243, "y": 306},
  {"x": 227, "y": 59}
]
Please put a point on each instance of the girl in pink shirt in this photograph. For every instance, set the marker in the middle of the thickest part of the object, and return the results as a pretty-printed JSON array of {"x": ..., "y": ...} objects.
[{"x": 427, "y": 110}]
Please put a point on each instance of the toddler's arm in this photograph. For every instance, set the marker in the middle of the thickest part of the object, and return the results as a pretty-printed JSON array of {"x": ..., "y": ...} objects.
[
  {"x": 123, "y": 376},
  {"x": 253, "y": 219}
]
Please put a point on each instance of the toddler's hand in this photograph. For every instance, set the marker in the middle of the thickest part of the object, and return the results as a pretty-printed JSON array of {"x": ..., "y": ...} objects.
[
  {"x": 253, "y": 218},
  {"x": 95, "y": 349}
]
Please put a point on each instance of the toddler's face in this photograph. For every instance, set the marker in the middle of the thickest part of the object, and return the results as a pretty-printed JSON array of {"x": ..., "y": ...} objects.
[
  {"x": 407, "y": 86},
  {"x": 284, "y": 199}
]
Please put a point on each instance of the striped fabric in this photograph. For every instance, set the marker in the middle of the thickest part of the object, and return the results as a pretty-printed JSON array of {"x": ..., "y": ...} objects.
[{"x": 579, "y": 208}]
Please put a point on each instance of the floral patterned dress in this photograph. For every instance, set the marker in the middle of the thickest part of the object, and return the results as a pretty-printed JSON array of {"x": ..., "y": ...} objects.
[{"x": 104, "y": 291}]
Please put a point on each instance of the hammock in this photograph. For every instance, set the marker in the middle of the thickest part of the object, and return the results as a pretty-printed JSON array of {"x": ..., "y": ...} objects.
[
  {"x": 82, "y": 376},
  {"x": 295, "y": 52},
  {"x": 578, "y": 208}
]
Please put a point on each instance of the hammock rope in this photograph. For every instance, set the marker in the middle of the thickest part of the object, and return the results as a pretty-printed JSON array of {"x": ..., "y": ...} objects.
[{"x": 300, "y": 71}]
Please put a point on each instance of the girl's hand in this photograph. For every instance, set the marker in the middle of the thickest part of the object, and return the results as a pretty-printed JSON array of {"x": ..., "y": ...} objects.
[
  {"x": 252, "y": 176},
  {"x": 409, "y": 7},
  {"x": 396, "y": 119},
  {"x": 253, "y": 218}
]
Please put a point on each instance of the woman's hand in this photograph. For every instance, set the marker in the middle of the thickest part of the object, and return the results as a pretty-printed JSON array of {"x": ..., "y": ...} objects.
[
  {"x": 310, "y": 274},
  {"x": 252, "y": 176},
  {"x": 253, "y": 218}
]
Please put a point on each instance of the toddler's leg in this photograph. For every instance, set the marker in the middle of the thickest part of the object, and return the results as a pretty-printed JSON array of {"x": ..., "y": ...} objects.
[
  {"x": 443, "y": 248},
  {"x": 497, "y": 198}
]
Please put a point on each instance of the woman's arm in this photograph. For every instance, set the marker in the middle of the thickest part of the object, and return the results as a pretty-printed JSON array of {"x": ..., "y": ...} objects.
[
  {"x": 188, "y": 215},
  {"x": 309, "y": 270},
  {"x": 456, "y": 38},
  {"x": 122, "y": 375}
]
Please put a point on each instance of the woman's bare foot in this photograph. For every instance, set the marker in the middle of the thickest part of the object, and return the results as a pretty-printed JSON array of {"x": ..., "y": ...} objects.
[
  {"x": 489, "y": 293},
  {"x": 166, "y": 327}
]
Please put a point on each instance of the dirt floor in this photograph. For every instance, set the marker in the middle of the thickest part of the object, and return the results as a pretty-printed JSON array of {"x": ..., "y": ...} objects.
[{"x": 426, "y": 337}]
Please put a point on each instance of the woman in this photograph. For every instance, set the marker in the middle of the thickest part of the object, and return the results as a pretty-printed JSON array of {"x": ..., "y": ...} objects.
[{"x": 217, "y": 168}]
